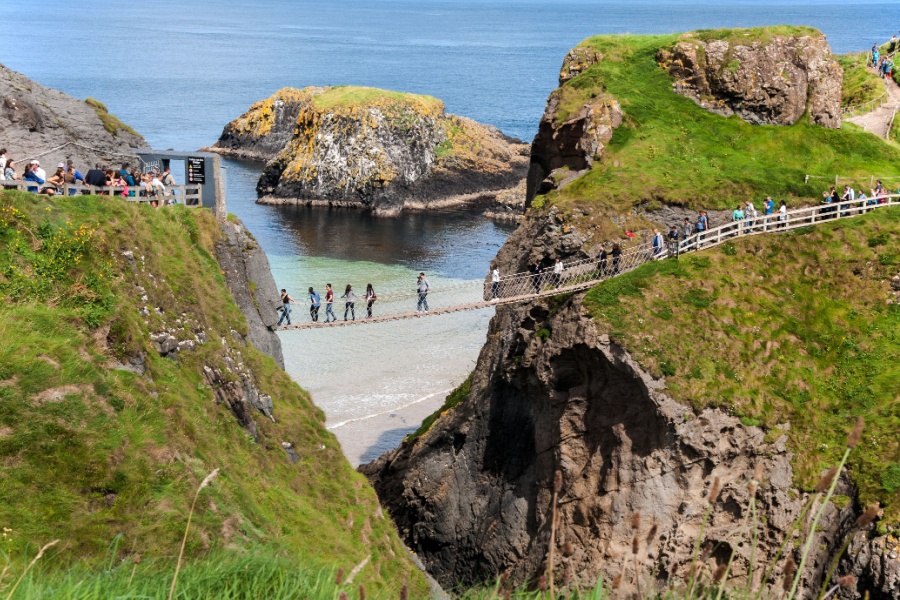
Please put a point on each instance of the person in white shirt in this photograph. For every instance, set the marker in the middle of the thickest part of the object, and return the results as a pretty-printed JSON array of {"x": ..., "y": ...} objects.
[
  {"x": 782, "y": 213},
  {"x": 42, "y": 174},
  {"x": 557, "y": 272},
  {"x": 2, "y": 164},
  {"x": 495, "y": 284}
]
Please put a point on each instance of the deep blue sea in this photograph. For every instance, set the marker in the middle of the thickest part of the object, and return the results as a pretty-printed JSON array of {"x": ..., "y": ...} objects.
[{"x": 179, "y": 70}]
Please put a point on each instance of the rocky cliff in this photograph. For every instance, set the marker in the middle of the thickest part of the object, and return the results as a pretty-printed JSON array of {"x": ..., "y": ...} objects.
[
  {"x": 136, "y": 376},
  {"x": 249, "y": 279},
  {"x": 373, "y": 149},
  {"x": 35, "y": 119},
  {"x": 591, "y": 386},
  {"x": 639, "y": 125},
  {"x": 765, "y": 79},
  {"x": 645, "y": 390}
]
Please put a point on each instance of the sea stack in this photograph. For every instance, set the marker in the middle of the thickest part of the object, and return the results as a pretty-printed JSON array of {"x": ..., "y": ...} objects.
[{"x": 373, "y": 149}]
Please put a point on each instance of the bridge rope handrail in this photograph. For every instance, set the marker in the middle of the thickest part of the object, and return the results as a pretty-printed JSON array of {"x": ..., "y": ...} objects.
[{"x": 585, "y": 273}]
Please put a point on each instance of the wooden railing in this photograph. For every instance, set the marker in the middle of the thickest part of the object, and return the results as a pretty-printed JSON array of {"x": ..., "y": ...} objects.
[
  {"x": 188, "y": 195},
  {"x": 792, "y": 219}
]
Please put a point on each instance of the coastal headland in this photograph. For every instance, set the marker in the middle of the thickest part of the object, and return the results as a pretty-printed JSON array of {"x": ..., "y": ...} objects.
[{"x": 667, "y": 408}]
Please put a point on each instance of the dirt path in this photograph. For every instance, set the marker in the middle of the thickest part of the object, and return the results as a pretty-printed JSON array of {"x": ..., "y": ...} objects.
[{"x": 879, "y": 119}]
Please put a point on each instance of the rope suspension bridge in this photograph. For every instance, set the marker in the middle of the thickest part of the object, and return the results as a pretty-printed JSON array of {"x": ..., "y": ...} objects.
[{"x": 582, "y": 274}]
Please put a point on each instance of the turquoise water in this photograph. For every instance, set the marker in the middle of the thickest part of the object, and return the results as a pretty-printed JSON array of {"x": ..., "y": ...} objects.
[
  {"x": 375, "y": 382},
  {"x": 178, "y": 71}
]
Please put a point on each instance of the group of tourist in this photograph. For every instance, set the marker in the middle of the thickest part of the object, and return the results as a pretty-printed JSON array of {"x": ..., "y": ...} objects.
[
  {"x": 350, "y": 298},
  {"x": 151, "y": 184},
  {"x": 883, "y": 63}
]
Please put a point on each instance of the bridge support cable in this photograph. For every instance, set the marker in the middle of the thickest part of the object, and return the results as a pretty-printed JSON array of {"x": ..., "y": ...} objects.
[{"x": 582, "y": 274}]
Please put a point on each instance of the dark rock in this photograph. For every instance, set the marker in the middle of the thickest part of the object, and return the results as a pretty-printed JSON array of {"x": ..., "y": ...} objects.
[
  {"x": 472, "y": 496},
  {"x": 249, "y": 279},
  {"x": 572, "y": 144},
  {"x": 35, "y": 119}
]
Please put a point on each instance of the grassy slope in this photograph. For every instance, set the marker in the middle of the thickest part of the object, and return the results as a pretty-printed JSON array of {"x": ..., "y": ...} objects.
[
  {"x": 118, "y": 453},
  {"x": 860, "y": 84},
  {"x": 784, "y": 328},
  {"x": 671, "y": 150}
]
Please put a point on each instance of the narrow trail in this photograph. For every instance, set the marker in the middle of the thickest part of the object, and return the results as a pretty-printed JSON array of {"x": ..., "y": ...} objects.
[
  {"x": 584, "y": 274},
  {"x": 879, "y": 121}
]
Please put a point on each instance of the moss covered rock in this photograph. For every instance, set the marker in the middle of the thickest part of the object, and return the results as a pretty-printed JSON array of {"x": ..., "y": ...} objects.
[{"x": 382, "y": 150}]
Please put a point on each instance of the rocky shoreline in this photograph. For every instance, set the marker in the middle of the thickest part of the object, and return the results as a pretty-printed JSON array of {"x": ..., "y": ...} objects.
[{"x": 382, "y": 151}]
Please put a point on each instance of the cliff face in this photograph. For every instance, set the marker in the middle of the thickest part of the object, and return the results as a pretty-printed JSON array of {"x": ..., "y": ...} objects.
[
  {"x": 138, "y": 375},
  {"x": 374, "y": 149},
  {"x": 249, "y": 279},
  {"x": 774, "y": 80},
  {"x": 35, "y": 119},
  {"x": 473, "y": 496},
  {"x": 262, "y": 132},
  {"x": 554, "y": 390}
]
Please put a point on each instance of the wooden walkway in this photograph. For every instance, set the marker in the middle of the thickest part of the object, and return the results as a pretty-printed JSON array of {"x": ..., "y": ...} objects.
[{"x": 584, "y": 274}]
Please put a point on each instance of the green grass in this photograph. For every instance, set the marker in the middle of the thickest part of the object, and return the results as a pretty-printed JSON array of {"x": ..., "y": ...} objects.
[
  {"x": 669, "y": 150},
  {"x": 752, "y": 35},
  {"x": 791, "y": 328},
  {"x": 351, "y": 96},
  {"x": 111, "y": 123},
  {"x": 259, "y": 574},
  {"x": 115, "y": 453},
  {"x": 860, "y": 84}
]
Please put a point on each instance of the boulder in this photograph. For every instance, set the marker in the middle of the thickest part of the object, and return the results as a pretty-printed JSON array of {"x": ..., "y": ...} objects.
[{"x": 771, "y": 80}]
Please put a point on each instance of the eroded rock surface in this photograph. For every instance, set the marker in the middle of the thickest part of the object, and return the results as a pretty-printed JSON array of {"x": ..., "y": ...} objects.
[
  {"x": 35, "y": 119},
  {"x": 772, "y": 81},
  {"x": 473, "y": 496},
  {"x": 566, "y": 145},
  {"x": 373, "y": 149},
  {"x": 249, "y": 279}
]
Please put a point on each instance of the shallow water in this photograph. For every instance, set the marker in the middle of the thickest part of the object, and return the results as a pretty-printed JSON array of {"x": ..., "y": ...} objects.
[
  {"x": 375, "y": 382},
  {"x": 178, "y": 71}
]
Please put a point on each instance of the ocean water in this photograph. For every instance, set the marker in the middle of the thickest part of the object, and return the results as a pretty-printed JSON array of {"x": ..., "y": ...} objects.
[{"x": 179, "y": 70}]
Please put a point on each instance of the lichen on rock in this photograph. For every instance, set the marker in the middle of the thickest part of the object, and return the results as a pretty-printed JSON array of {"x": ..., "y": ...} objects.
[
  {"x": 353, "y": 146},
  {"x": 773, "y": 80}
]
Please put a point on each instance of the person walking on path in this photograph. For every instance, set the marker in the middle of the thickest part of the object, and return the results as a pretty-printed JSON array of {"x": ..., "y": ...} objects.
[
  {"x": 286, "y": 302},
  {"x": 687, "y": 229},
  {"x": 603, "y": 261},
  {"x": 536, "y": 271},
  {"x": 329, "y": 303},
  {"x": 616, "y": 257},
  {"x": 314, "y": 304},
  {"x": 422, "y": 287},
  {"x": 349, "y": 302},
  {"x": 495, "y": 284},
  {"x": 782, "y": 214},
  {"x": 558, "y": 272},
  {"x": 658, "y": 242},
  {"x": 737, "y": 217},
  {"x": 371, "y": 297}
]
